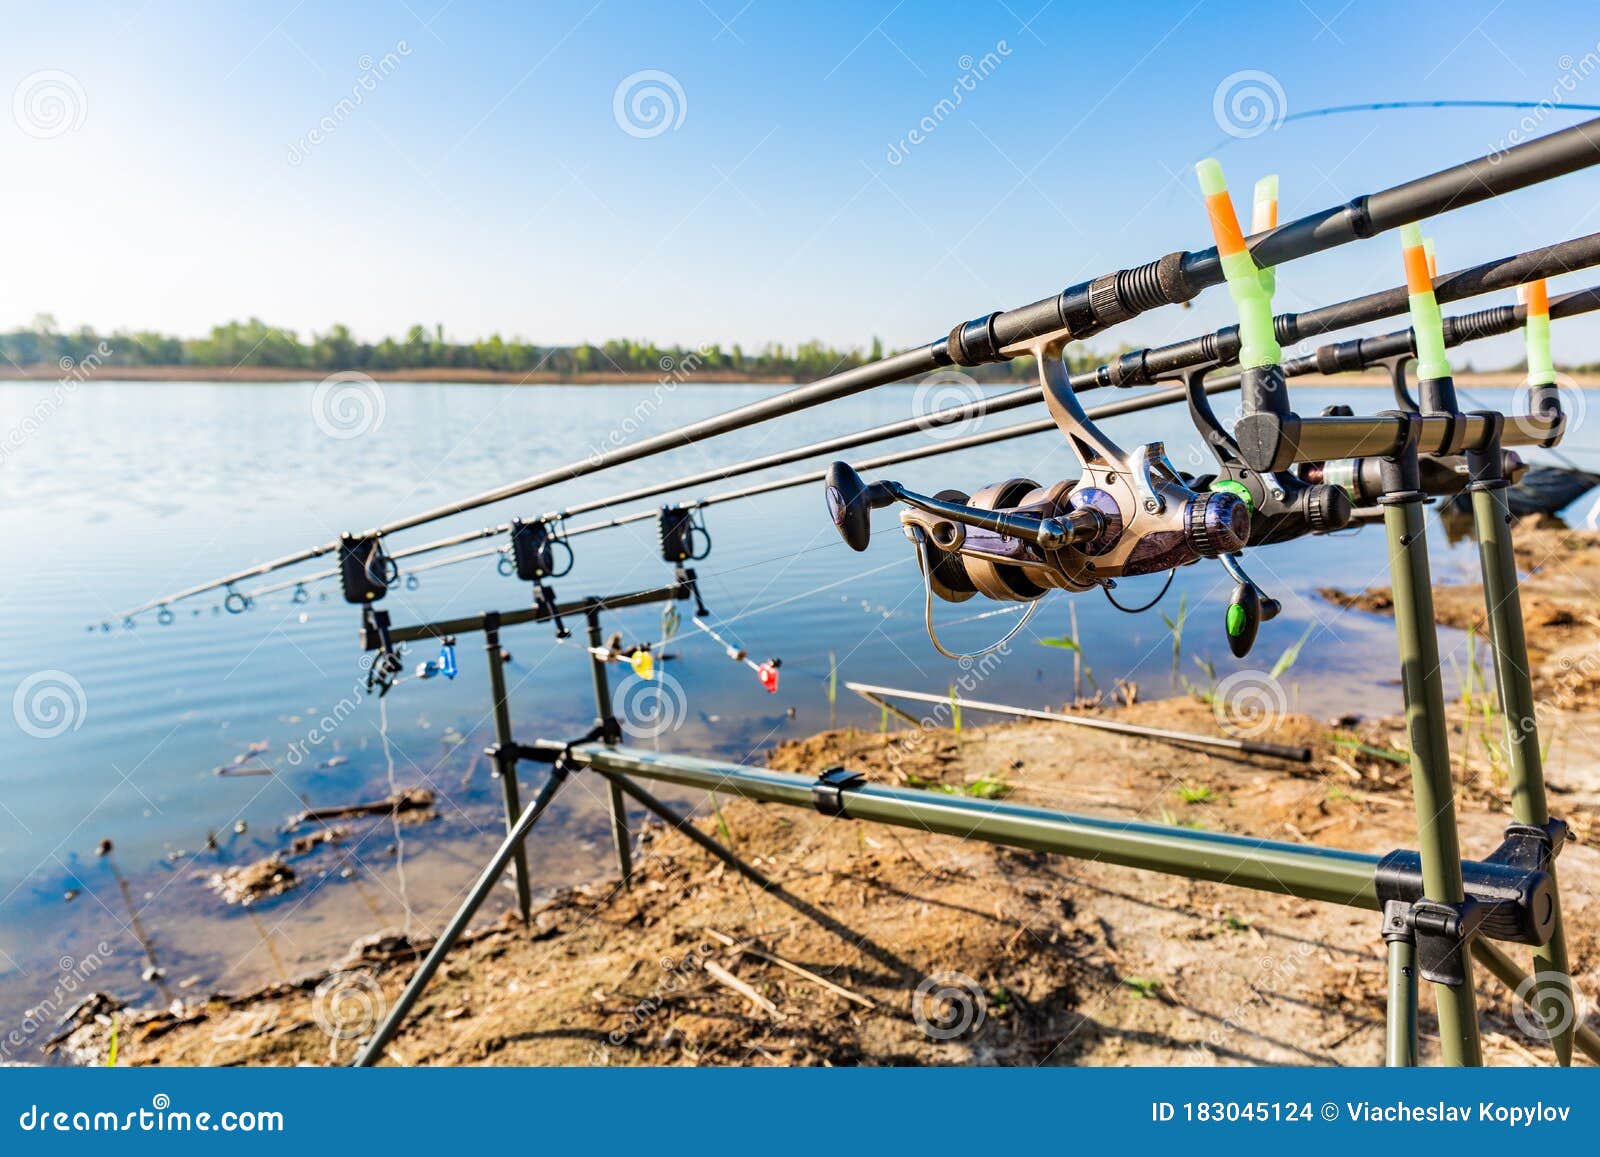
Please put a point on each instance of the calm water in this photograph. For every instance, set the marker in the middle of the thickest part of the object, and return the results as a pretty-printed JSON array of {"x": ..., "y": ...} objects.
[{"x": 126, "y": 491}]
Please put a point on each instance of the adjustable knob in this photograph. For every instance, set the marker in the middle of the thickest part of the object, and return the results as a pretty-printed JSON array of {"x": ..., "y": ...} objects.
[
  {"x": 851, "y": 502},
  {"x": 1328, "y": 508},
  {"x": 1217, "y": 523}
]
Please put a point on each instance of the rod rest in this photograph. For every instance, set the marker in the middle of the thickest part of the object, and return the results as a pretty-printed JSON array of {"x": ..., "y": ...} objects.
[
  {"x": 1511, "y": 895},
  {"x": 1276, "y": 441}
]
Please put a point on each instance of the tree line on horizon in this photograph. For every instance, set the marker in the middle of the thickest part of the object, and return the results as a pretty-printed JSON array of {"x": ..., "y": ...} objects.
[{"x": 255, "y": 343}]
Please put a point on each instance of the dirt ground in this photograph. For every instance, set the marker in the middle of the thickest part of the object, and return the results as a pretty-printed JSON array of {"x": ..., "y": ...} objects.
[{"x": 891, "y": 946}]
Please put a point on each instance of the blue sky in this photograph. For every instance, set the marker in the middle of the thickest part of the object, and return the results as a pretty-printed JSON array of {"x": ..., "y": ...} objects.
[{"x": 487, "y": 183}]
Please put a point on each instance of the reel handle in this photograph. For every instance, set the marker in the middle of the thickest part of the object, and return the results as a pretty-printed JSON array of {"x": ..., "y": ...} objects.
[
  {"x": 1247, "y": 609},
  {"x": 850, "y": 501}
]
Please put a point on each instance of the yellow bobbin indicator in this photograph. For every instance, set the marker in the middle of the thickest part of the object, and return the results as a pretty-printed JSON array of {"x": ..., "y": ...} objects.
[
  {"x": 643, "y": 663},
  {"x": 1258, "y": 345}
]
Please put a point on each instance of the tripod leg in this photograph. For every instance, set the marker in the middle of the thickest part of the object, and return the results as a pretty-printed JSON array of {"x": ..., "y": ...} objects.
[
  {"x": 620, "y": 836},
  {"x": 1553, "y": 997},
  {"x": 1400, "y": 1041},
  {"x": 373, "y": 1049},
  {"x": 505, "y": 763},
  {"x": 621, "y": 783},
  {"x": 1432, "y": 789}
]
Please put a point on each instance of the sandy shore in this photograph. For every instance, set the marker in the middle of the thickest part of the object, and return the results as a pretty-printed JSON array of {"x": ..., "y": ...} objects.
[{"x": 1046, "y": 960}]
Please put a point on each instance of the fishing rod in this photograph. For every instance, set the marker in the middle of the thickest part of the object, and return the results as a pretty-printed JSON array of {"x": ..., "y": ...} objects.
[
  {"x": 1441, "y": 477},
  {"x": 1047, "y": 325},
  {"x": 1129, "y": 513},
  {"x": 1010, "y": 559},
  {"x": 1137, "y": 367}
]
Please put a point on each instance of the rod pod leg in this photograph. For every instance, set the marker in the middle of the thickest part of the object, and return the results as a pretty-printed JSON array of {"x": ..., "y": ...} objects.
[
  {"x": 373, "y": 1049},
  {"x": 505, "y": 764},
  {"x": 1553, "y": 997},
  {"x": 1432, "y": 789},
  {"x": 621, "y": 837},
  {"x": 1400, "y": 1035}
]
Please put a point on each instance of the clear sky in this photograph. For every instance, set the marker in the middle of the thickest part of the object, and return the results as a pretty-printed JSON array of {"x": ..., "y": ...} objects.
[{"x": 161, "y": 169}]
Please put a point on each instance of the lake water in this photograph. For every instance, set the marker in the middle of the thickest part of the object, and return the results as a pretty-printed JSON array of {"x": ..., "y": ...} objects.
[{"x": 117, "y": 492}]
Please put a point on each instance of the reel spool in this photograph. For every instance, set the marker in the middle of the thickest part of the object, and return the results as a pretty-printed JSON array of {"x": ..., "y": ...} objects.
[{"x": 1015, "y": 541}]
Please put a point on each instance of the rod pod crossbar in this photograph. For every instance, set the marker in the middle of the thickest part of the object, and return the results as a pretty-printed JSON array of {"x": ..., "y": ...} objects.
[{"x": 1509, "y": 892}]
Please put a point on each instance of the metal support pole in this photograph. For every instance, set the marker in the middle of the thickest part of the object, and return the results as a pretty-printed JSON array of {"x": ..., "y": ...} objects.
[
  {"x": 1432, "y": 789},
  {"x": 1400, "y": 1038},
  {"x": 1553, "y": 997},
  {"x": 1307, "y": 871},
  {"x": 620, "y": 836},
  {"x": 880, "y": 696},
  {"x": 685, "y": 826},
  {"x": 505, "y": 763},
  {"x": 373, "y": 1049}
]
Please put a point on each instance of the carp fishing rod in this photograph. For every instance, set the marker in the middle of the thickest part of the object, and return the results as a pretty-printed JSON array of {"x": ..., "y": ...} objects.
[
  {"x": 1356, "y": 478},
  {"x": 1270, "y": 508},
  {"x": 1129, "y": 513},
  {"x": 1137, "y": 367},
  {"x": 1078, "y": 312}
]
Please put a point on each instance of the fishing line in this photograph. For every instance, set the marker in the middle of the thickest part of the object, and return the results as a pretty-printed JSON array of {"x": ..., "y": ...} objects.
[{"x": 394, "y": 813}]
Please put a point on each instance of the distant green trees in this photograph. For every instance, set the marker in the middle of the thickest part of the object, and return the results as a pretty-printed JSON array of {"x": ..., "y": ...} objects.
[{"x": 255, "y": 343}]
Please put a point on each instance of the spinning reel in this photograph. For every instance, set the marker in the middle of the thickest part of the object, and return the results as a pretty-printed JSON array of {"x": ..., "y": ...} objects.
[
  {"x": 1282, "y": 507},
  {"x": 1130, "y": 513}
]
